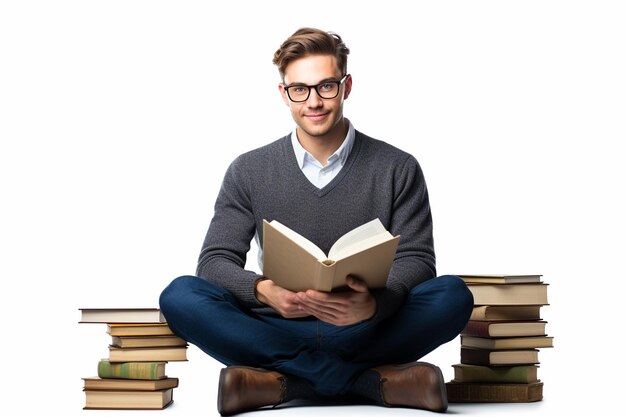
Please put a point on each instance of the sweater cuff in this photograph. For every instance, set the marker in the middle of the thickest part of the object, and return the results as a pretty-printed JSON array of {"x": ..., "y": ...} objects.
[{"x": 256, "y": 284}]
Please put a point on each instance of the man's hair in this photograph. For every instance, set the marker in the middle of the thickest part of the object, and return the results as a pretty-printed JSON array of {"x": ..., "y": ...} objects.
[{"x": 310, "y": 41}]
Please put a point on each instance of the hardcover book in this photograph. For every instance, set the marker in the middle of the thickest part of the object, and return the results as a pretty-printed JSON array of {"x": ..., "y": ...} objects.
[
  {"x": 521, "y": 374},
  {"x": 123, "y": 400},
  {"x": 131, "y": 370},
  {"x": 149, "y": 354},
  {"x": 146, "y": 341},
  {"x": 509, "y": 294},
  {"x": 95, "y": 383},
  {"x": 121, "y": 315},
  {"x": 499, "y": 357},
  {"x": 493, "y": 313},
  {"x": 139, "y": 329},
  {"x": 477, "y": 392},
  {"x": 530, "y": 342},
  {"x": 500, "y": 279},
  {"x": 297, "y": 264},
  {"x": 504, "y": 328}
]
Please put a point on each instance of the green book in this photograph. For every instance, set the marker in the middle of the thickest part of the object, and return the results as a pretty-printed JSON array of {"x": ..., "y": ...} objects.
[
  {"x": 521, "y": 374},
  {"x": 131, "y": 370}
]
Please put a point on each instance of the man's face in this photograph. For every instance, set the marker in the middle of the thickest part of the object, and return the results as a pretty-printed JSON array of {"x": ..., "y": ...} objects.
[{"x": 316, "y": 117}]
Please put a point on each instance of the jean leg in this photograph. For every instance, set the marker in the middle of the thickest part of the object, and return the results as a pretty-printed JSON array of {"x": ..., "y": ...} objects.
[
  {"x": 435, "y": 313},
  {"x": 211, "y": 318}
]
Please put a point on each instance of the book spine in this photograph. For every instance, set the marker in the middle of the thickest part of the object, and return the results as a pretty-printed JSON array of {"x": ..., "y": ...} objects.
[
  {"x": 128, "y": 370},
  {"x": 505, "y": 374},
  {"x": 325, "y": 276},
  {"x": 494, "y": 393},
  {"x": 475, "y": 356},
  {"x": 476, "y": 329},
  {"x": 478, "y": 342}
]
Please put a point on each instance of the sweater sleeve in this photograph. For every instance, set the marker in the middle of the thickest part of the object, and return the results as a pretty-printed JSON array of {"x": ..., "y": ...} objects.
[
  {"x": 227, "y": 242},
  {"x": 412, "y": 220}
]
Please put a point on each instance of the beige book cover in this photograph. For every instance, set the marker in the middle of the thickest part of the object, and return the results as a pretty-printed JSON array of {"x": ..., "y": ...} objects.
[
  {"x": 148, "y": 354},
  {"x": 122, "y": 400},
  {"x": 295, "y": 263}
]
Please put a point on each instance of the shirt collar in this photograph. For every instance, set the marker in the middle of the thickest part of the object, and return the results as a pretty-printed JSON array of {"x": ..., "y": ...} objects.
[{"x": 302, "y": 155}]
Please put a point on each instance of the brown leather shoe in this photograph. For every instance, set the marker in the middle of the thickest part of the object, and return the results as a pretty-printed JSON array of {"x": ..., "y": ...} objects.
[
  {"x": 243, "y": 388},
  {"x": 414, "y": 385}
]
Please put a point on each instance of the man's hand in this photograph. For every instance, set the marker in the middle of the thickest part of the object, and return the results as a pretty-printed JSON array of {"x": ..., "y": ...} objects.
[
  {"x": 340, "y": 308},
  {"x": 285, "y": 302}
]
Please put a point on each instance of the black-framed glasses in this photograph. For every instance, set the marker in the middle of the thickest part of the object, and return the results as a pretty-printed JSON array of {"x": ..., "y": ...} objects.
[{"x": 326, "y": 90}]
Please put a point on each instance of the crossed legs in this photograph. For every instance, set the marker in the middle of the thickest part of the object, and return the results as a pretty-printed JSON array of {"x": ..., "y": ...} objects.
[{"x": 331, "y": 360}]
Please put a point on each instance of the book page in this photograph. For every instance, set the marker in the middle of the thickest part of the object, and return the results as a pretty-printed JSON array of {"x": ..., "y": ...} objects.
[
  {"x": 366, "y": 235},
  {"x": 358, "y": 246},
  {"x": 300, "y": 240},
  {"x": 371, "y": 265}
]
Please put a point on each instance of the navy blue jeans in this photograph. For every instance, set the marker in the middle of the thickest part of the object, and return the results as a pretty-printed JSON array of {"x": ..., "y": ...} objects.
[{"x": 329, "y": 357}]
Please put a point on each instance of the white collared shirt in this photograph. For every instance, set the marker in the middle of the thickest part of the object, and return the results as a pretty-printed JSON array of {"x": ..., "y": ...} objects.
[{"x": 320, "y": 175}]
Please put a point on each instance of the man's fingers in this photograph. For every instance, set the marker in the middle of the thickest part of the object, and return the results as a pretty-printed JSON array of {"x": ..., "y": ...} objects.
[{"x": 356, "y": 284}]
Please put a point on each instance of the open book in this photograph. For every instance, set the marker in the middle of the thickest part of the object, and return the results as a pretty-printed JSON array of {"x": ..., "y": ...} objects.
[{"x": 297, "y": 264}]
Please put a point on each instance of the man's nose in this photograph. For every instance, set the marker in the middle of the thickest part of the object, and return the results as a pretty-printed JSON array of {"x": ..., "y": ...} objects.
[{"x": 314, "y": 99}]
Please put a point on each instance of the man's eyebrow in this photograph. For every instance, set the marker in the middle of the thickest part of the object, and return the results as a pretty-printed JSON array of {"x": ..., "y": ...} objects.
[{"x": 295, "y": 83}]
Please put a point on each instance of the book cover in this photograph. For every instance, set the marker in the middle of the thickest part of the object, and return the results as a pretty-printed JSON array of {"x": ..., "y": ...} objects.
[
  {"x": 521, "y": 374},
  {"x": 123, "y": 400},
  {"x": 138, "y": 329},
  {"x": 476, "y": 392},
  {"x": 504, "y": 328},
  {"x": 131, "y": 370},
  {"x": 530, "y": 342},
  {"x": 501, "y": 279},
  {"x": 96, "y": 383},
  {"x": 509, "y": 294},
  {"x": 121, "y": 315},
  {"x": 148, "y": 354},
  {"x": 146, "y": 341},
  {"x": 493, "y": 313},
  {"x": 499, "y": 357},
  {"x": 297, "y": 264}
]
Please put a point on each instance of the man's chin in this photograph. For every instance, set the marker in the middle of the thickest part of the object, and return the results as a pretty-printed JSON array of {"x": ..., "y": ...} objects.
[{"x": 315, "y": 131}]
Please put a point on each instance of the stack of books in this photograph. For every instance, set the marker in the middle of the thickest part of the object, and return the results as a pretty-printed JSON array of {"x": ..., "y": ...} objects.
[
  {"x": 501, "y": 341},
  {"x": 133, "y": 376}
]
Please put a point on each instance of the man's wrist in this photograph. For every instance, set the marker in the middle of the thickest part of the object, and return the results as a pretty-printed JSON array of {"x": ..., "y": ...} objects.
[{"x": 260, "y": 297}]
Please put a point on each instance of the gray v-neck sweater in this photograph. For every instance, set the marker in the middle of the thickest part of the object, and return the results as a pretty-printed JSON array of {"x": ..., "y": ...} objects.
[{"x": 377, "y": 180}]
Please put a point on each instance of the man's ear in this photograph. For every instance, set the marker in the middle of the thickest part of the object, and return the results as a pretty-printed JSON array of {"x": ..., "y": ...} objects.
[
  {"x": 348, "y": 86},
  {"x": 283, "y": 93}
]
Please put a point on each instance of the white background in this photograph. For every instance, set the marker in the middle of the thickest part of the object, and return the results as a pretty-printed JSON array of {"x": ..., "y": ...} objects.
[{"x": 118, "y": 119}]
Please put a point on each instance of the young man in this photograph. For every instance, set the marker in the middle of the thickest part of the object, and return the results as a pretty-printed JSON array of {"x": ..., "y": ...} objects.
[{"x": 322, "y": 180}]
